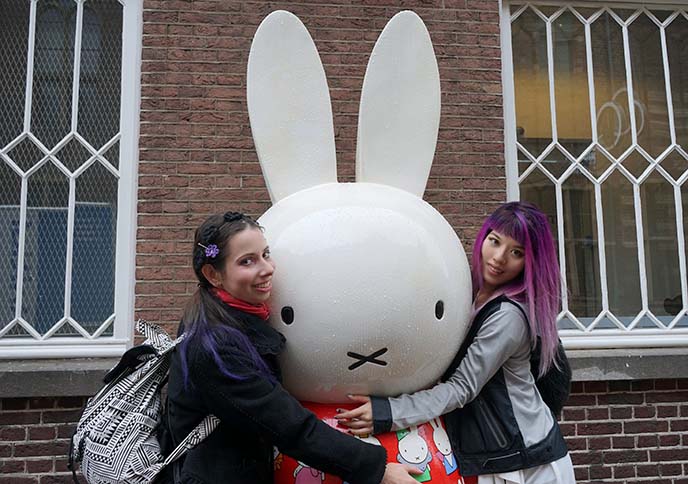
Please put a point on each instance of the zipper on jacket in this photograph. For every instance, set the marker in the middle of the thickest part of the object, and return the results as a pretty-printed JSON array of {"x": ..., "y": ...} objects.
[{"x": 500, "y": 457}]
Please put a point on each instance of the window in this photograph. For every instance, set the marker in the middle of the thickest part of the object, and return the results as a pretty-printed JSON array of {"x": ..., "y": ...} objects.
[
  {"x": 596, "y": 108},
  {"x": 67, "y": 147}
]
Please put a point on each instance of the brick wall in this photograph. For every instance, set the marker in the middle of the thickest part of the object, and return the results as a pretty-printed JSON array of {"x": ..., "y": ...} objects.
[
  {"x": 617, "y": 432},
  {"x": 34, "y": 439},
  {"x": 196, "y": 151},
  {"x": 628, "y": 431}
]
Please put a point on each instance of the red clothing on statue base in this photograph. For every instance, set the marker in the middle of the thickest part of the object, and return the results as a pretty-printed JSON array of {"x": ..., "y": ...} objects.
[{"x": 423, "y": 447}]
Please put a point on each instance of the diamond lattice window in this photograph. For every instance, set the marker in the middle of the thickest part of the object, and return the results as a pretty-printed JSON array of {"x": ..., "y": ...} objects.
[
  {"x": 61, "y": 65},
  {"x": 597, "y": 137}
]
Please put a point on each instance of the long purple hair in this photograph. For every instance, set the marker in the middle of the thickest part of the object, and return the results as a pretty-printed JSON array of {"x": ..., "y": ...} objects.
[
  {"x": 207, "y": 321},
  {"x": 538, "y": 284}
]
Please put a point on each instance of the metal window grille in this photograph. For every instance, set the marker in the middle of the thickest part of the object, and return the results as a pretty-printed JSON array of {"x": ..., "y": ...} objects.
[
  {"x": 68, "y": 117},
  {"x": 596, "y": 111}
]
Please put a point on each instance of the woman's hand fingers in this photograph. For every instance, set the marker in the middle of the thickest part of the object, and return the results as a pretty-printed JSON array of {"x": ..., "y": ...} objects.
[
  {"x": 364, "y": 412},
  {"x": 359, "y": 414},
  {"x": 359, "y": 398},
  {"x": 413, "y": 470},
  {"x": 350, "y": 414},
  {"x": 357, "y": 424},
  {"x": 398, "y": 474},
  {"x": 359, "y": 420},
  {"x": 362, "y": 432}
]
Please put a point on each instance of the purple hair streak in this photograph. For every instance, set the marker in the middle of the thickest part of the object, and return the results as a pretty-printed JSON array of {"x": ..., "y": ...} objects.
[
  {"x": 538, "y": 285},
  {"x": 208, "y": 337}
]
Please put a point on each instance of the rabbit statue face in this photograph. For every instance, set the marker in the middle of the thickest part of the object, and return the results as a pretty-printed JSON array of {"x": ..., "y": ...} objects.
[{"x": 372, "y": 288}]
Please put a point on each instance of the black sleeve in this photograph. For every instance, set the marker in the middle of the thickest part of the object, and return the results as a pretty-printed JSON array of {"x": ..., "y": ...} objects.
[
  {"x": 252, "y": 403},
  {"x": 382, "y": 414}
]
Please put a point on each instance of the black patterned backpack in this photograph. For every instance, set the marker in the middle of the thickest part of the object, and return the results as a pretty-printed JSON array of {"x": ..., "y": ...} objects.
[{"x": 116, "y": 439}]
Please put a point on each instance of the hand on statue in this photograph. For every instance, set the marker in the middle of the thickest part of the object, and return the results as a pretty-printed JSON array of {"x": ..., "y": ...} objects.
[
  {"x": 400, "y": 474},
  {"x": 360, "y": 419}
]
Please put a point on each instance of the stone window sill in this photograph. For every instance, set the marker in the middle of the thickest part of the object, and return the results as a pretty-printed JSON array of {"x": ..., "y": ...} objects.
[
  {"x": 83, "y": 376},
  {"x": 53, "y": 378}
]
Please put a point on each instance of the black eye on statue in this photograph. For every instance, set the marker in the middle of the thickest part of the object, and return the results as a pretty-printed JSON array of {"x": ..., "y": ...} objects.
[
  {"x": 287, "y": 314},
  {"x": 439, "y": 310}
]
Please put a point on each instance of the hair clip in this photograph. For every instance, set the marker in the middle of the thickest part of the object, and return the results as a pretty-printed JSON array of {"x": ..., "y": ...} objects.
[{"x": 211, "y": 250}]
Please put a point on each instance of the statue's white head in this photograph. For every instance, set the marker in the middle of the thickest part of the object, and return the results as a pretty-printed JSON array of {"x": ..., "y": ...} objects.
[{"x": 372, "y": 288}]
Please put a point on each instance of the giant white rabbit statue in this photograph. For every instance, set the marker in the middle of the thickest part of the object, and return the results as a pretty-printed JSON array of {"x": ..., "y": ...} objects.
[{"x": 373, "y": 289}]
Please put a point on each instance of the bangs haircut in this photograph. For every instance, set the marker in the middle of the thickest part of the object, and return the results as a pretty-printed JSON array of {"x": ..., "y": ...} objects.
[{"x": 538, "y": 285}]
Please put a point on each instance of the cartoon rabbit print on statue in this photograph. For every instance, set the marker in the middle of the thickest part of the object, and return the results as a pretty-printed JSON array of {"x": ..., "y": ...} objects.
[
  {"x": 444, "y": 451},
  {"x": 413, "y": 450},
  {"x": 373, "y": 291}
]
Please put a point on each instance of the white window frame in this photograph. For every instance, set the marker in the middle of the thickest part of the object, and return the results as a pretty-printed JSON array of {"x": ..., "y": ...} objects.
[
  {"x": 45, "y": 346},
  {"x": 669, "y": 337}
]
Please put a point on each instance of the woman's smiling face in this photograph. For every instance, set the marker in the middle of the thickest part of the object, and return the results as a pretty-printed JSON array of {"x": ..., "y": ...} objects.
[
  {"x": 503, "y": 260},
  {"x": 248, "y": 270}
]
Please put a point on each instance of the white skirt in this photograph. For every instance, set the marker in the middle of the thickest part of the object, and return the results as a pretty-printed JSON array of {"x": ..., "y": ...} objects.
[{"x": 557, "y": 472}]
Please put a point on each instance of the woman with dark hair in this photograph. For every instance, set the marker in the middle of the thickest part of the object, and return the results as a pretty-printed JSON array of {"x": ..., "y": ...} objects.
[
  {"x": 498, "y": 424},
  {"x": 227, "y": 366}
]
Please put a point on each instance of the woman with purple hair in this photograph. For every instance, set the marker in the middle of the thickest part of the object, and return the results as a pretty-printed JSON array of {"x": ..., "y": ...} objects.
[
  {"x": 227, "y": 366},
  {"x": 500, "y": 428}
]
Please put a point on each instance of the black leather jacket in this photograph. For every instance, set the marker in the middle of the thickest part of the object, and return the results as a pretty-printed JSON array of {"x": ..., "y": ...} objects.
[{"x": 256, "y": 414}]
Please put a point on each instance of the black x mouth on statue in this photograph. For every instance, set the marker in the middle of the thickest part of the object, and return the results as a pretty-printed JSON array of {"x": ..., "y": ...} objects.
[{"x": 372, "y": 358}]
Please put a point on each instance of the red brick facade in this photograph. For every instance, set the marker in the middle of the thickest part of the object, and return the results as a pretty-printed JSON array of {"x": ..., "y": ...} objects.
[
  {"x": 34, "y": 439},
  {"x": 628, "y": 431},
  {"x": 618, "y": 432},
  {"x": 197, "y": 154}
]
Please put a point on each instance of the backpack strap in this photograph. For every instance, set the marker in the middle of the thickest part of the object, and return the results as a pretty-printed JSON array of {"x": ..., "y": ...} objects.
[
  {"x": 555, "y": 385},
  {"x": 470, "y": 336},
  {"x": 506, "y": 299},
  {"x": 156, "y": 336},
  {"x": 195, "y": 437},
  {"x": 70, "y": 462}
]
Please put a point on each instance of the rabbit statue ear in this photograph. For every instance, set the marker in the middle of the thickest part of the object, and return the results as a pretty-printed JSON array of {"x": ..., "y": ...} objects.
[
  {"x": 289, "y": 107},
  {"x": 399, "y": 114}
]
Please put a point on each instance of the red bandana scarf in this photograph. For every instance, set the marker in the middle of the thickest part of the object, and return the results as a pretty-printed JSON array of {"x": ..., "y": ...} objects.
[{"x": 262, "y": 310}]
